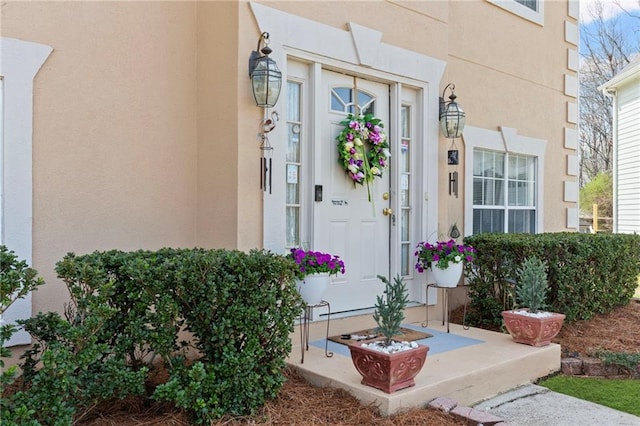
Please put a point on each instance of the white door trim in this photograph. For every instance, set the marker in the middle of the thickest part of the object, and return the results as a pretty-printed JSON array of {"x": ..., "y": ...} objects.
[
  {"x": 347, "y": 50},
  {"x": 358, "y": 51}
]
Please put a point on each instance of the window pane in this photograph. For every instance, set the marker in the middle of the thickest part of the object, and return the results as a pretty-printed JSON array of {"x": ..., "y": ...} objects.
[
  {"x": 293, "y": 230},
  {"x": 293, "y": 143},
  {"x": 336, "y": 103},
  {"x": 523, "y": 221},
  {"x": 364, "y": 99},
  {"x": 488, "y": 221},
  {"x": 405, "y": 259},
  {"x": 368, "y": 108},
  {"x": 404, "y": 225},
  {"x": 531, "y": 4},
  {"x": 489, "y": 190},
  {"x": 404, "y": 119},
  {"x": 293, "y": 101},
  {"x": 404, "y": 190},
  {"x": 293, "y": 196},
  {"x": 499, "y": 193}
]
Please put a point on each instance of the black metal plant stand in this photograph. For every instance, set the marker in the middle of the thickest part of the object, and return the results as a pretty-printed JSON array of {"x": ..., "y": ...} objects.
[
  {"x": 445, "y": 305},
  {"x": 304, "y": 328}
]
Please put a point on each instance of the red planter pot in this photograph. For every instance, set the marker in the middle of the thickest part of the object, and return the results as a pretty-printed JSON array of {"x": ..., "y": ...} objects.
[
  {"x": 388, "y": 372},
  {"x": 532, "y": 331}
]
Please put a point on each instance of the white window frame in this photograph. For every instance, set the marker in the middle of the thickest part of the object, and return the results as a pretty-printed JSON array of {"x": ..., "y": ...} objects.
[
  {"x": 21, "y": 61},
  {"x": 536, "y": 16},
  {"x": 505, "y": 140}
]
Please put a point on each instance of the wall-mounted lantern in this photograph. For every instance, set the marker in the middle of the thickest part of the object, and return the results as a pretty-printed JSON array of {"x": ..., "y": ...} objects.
[
  {"x": 452, "y": 116},
  {"x": 266, "y": 78}
]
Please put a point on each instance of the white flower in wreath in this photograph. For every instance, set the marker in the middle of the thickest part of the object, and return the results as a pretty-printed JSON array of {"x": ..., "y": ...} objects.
[
  {"x": 375, "y": 171},
  {"x": 358, "y": 142}
]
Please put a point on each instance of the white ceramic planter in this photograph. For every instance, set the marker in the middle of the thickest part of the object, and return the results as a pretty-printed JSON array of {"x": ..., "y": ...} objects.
[
  {"x": 312, "y": 288},
  {"x": 448, "y": 277}
]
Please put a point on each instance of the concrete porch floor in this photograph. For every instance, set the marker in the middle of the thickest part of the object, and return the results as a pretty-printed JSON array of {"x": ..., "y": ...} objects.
[{"x": 489, "y": 366}]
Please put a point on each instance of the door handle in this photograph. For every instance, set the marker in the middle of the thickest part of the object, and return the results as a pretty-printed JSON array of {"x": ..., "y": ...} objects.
[{"x": 387, "y": 211}]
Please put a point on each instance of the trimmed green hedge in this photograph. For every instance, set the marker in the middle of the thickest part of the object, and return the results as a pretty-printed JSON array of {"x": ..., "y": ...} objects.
[
  {"x": 588, "y": 273},
  {"x": 128, "y": 308}
]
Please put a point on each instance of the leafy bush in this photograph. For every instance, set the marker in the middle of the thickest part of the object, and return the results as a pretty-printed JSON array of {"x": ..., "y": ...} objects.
[
  {"x": 127, "y": 309},
  {"x": 240, "y": 309},
  {"x": 17, "y": 279},
  {"x": 598, "y": 270}
]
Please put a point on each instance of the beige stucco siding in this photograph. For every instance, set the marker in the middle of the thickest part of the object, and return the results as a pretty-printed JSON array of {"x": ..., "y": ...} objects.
[
  {"x": 217, "y": 102},
  {"x": 114, "y": 139}
]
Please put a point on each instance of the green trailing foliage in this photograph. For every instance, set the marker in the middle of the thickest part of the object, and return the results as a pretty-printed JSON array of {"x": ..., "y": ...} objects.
[
  {"x": 630, "y": 362},
  {"x": 389, "y": 312},
  {"x": 128, "y": 310},
  {"x": 531, "y": 287},
  {"x": 588, "y": 274}
]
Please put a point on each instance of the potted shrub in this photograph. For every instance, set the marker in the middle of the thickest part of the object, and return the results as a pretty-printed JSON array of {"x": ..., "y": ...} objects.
[
  {"x": 387, "y": 364},
  {"x": 445, "y": 258},
  {"x": 313, "y": 273},
  {"x": 530, "y": 324}
]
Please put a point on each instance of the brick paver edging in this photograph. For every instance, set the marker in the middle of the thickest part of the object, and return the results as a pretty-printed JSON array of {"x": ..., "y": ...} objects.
[
  {"x": 467, "y": 414},
  {"x": 594, "y": 367}
]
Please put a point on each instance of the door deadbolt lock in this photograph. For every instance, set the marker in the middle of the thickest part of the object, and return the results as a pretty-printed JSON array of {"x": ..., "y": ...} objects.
[
  {"x": 385, "y": 196},
  {"x": 387, "y": 211}
]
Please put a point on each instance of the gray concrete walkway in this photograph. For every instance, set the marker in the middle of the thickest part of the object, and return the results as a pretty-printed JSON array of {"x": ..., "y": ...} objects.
[{"x": 533, "y": 405}]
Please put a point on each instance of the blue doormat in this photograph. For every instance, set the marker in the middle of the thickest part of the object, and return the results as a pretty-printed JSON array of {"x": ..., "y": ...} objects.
[{"x": 440, "y": 342}]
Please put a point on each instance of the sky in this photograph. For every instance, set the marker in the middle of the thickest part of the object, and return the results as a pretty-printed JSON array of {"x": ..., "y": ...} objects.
[
  {"x": 630, "y": 26},
  {"x": 610, "y": 8}
]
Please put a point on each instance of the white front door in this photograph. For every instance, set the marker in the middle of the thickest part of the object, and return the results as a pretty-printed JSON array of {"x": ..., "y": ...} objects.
[{"x": 345, "y": 222}]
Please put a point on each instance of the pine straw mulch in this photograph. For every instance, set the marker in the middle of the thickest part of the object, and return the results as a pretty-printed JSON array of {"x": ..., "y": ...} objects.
[
  {"x": 299, "y": 403},
  {"x": 617, "y": 331}
]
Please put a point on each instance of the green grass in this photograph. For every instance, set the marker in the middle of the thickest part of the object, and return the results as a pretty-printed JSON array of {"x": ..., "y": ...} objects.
[{"x": 622, "y": 395}]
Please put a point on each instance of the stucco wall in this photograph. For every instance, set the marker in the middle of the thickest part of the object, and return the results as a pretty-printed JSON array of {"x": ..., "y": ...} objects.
[{"x": 114, "y": 139}]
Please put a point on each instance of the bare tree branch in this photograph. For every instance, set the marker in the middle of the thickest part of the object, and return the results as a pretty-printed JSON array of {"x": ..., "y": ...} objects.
[{"x": 607, "y": 47}]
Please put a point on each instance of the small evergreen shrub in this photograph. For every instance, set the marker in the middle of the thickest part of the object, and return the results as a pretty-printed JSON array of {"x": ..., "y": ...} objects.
[
  {"x": 531, "y": 287},
  {"x": 389, "y": 312}
]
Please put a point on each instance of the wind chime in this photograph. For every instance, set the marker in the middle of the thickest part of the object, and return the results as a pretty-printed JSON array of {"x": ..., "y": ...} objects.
[
  {"x": 266, "y": 161},
  {"x": 452, "y": 160}
]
